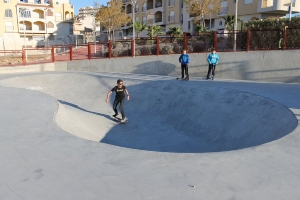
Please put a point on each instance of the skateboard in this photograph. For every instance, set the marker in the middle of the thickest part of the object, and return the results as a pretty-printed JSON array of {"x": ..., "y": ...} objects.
[
  {"x": 184, "y": 79},
  {"x": 210, "y": 78},
  {"x": 118, "y": 120}
]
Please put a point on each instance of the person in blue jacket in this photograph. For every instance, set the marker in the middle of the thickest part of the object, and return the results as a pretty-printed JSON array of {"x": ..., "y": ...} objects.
[
  {"x": 184, "y": 59},
  {"x": 212, "y": 59}
]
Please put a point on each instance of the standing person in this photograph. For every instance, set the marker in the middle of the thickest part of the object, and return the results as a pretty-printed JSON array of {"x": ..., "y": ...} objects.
[
  {"x": 212, "y": 59},
  {"x": 120, "y": 98},
  {"x": 184, "y": 59}
]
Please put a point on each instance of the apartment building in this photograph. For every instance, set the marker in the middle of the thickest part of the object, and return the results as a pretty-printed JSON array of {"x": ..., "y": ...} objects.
[
  {"x": 35, "y": 23},
  {"x": 86, "y": 29},
  {"x": 167, "y": 13}
]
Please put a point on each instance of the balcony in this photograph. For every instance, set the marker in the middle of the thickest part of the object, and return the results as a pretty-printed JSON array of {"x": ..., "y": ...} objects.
[
  {"x": 42, "y": 2},
  {"x": 149, "y": 4},
  {"x": 277, "y": 7},
  {"x": 129, "y": 9},
  {"x": 158, "y": 4},
  {"x": 158, "y": 19}
]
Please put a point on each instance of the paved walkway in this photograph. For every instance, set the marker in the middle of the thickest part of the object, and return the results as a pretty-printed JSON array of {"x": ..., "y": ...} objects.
[{"x": 184, "y": 140}]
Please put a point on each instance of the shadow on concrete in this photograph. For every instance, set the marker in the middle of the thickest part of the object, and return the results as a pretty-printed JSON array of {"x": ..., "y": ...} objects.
[
  {"x": 82, "y": 109},
  {"x": 155, "y": 68},
  {"x": 191, "y": 117}
]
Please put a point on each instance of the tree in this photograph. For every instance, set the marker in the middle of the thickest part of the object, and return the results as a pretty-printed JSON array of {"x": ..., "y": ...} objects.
[
  {"x": 174, "y": 32},
  {"x": 229, "y": 21},
  {"x": 202, "y": 9},
  {"x": 139, "y": 27},
  {"x": 154, "y": 30},
  {"x": 112, "y": 16}
]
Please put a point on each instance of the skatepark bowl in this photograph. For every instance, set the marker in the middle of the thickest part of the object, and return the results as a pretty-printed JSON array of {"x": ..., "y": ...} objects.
[{"x": 163, "y": 114}]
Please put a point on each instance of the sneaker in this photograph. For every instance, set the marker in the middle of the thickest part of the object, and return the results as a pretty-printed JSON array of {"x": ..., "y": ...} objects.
[
  {"x": 207, "y": 78},
  {"x": 212, "y": 78},
  {"x": 115, "y": 115}
]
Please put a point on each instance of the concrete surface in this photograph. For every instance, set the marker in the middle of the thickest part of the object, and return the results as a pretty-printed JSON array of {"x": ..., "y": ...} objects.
[{"x": 199, "y": 139}]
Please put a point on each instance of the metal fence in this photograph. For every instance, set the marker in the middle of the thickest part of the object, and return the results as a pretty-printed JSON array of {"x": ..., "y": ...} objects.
[
  {"x": 12, "y": 57},
  {"x": 279, "y": 38}
]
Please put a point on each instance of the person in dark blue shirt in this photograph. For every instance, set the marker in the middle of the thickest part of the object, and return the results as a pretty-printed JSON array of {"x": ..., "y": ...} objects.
[{"x": 184, "y": 59}]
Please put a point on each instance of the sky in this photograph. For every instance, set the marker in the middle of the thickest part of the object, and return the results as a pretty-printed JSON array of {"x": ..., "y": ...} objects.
[{"x": 83, "y": 3}]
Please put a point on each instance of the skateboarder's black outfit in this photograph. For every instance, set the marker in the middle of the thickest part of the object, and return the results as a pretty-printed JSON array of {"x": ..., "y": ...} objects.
[
  {"x": 120, "y": 98},
  {"x": 120, "y": 90}
]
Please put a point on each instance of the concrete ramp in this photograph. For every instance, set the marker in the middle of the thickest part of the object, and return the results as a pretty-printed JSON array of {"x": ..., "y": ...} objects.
[{"x": 163, "y": 115}]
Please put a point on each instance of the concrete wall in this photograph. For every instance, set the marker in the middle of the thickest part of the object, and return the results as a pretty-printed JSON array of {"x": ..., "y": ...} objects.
[
  {"x": 269, "y": 66},
  {"x": 28, "y": 68}
]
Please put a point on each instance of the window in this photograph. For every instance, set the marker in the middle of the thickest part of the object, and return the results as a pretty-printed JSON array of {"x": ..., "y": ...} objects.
[
  {"x": 189, "y": 24},
  {"x": 220, "y": 23},
  {"x": 50, "y": 25},
  {"x": 136, "y": 8},
  {"x": 144, "y": 20},
  {"x": 248, "y": 1},
  {"x": 144, "y": 7},
  {"x": 58, "y": 17},
  {"x": 6, "y": 1},
  {"x": 181, "y": 18},
  {"x": 9, "y": 27},
  {"x": 136, "y": 19},
  {"x": 8, "y": 13},
  {"x": 171, "y": 16},
  {"x": 49, "y": 13},
  {"x": 171, "y": 3}
]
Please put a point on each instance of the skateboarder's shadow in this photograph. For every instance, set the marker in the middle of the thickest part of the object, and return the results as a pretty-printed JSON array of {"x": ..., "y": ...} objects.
[{"x": 79, "y": 108}]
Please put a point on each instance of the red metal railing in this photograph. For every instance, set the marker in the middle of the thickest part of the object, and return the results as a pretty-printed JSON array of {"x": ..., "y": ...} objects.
[
  {"x": 279, "y": 38},
  {"x": 12, "y": 57}
]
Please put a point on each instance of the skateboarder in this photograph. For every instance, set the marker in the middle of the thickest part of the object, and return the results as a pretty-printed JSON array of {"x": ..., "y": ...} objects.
[
  {"x": 184, "y": 59},
  {"x": 120, "y": 98},
  {"x": 212, "y": 59}
]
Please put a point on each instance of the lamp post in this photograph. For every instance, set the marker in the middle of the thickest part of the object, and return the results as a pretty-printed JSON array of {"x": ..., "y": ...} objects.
[
  {"x": 133, "y": 2},
  {"x": 290, "y": 13},
  {"x": 235, "y": 25},
  {"x": 94, "y": 27}
]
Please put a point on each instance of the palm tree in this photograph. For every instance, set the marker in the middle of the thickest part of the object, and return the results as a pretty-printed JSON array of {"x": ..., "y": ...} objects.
[
  {"x": 139, "y": 27},
  {"x": 229, "y": 21},
  {"x": 174, "y": 32},
  {"x": 154, "y": 30}
]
